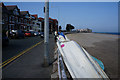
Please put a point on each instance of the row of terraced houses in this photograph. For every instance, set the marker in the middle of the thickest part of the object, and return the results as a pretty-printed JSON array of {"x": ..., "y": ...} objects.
[{"x": 14, "y": 19}]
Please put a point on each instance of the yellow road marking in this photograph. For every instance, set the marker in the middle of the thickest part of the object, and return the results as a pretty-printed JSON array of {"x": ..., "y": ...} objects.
[{"x": 15, "y": 57}]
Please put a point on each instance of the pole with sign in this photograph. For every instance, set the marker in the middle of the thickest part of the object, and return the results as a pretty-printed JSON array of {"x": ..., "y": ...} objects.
[{"x": 46, "y": 34}]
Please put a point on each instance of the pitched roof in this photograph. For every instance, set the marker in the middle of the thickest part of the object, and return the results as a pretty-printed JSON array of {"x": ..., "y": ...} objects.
[
  {"x": 40, "y": 18},
  {"x": 55, "y": 20},
  {"x": 4, "y": 9},
  {"x": 11, "y": 7},
  {"x": 50, "y": 18},
  {"x": 35, "y": 15}
]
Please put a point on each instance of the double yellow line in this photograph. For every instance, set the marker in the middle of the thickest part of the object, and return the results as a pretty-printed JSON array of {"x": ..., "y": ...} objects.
[{"x": 16, "y": 56}]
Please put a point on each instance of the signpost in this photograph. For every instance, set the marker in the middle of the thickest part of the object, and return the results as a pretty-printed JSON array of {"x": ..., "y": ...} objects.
[{"x": 46, "y": 34}]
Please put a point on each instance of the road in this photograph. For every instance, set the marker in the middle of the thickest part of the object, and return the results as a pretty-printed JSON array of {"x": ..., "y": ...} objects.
[
  {"x": 30, "y": 64},
  {"x": 18, "y": 45}
]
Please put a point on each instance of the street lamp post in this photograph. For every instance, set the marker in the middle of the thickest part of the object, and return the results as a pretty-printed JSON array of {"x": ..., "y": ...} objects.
[{"x": 46, "y": 34}]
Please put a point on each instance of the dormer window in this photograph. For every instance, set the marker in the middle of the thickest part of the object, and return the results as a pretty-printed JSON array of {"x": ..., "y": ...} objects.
[
  {"x": 56, "y": 23},
  {"x": 27, "y": 16},
  {"x": 15, "y": 12}
]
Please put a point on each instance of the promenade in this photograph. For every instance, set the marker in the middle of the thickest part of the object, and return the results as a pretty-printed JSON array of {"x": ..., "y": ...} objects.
[{"x": 102, "y": 46}]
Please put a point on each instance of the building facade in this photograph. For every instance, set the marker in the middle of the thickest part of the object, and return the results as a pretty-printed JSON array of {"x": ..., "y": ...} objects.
[
  {"x": 25, "y": 20},
  {"x": 36, "y": 23},
  {"x": 53, "y": 24},
  {"x": 14, "y": 15},
  {"x": 5, "y": 17},
  {"x": 14, "y": 19}
]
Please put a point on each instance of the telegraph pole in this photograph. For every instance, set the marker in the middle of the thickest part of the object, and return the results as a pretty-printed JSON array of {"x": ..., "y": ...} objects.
[{"x": 46, "y": 34}]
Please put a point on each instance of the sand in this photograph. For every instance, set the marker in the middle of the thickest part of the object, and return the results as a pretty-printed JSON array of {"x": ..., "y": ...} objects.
[{"x": 102, "y": 46}]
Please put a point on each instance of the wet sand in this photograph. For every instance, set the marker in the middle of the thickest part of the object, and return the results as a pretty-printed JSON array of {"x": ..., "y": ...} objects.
[{"x": 102, "y": 46}]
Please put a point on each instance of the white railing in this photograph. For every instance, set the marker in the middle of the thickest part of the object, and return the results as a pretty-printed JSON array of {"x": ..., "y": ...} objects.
[{"x": 61, "y": 68}]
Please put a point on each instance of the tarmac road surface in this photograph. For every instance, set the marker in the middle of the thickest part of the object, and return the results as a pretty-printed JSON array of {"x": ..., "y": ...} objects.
[{"x": 29, "y": 65}]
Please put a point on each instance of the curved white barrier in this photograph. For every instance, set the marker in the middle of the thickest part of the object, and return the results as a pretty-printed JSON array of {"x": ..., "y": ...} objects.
[{"x": 78, "y": 61}]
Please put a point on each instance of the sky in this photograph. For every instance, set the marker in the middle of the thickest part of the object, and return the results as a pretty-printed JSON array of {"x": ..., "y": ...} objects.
[{"x": 98, "y": 16}]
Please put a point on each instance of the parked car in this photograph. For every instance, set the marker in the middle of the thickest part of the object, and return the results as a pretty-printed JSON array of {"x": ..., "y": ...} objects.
[
  {"x": 36, "y": 34},
  {"x": 28, "y": 34},
  {"x": 12, "y": 34},
  {"x": 39, "y": 33},
  {"x": 17, "y": 34},
  {"x": 5, "y": 40},
  {"x": 20, "y": 34},
  {"x": 32, "y": 33},
  {"x": 42, "y": 34}
]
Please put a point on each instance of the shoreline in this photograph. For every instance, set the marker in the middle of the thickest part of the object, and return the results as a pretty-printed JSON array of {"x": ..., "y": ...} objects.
[{"x": 107, "y": 33}]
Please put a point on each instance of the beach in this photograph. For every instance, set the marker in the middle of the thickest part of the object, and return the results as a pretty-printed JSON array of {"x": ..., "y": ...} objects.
[{"x": 102, "y": 46}]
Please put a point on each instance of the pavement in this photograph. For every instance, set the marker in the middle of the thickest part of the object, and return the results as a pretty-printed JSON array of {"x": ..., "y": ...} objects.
[{"x": 30, "y": 64}]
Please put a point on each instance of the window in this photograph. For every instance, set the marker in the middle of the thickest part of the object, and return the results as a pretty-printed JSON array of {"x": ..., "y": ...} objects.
[
  {"x": 9, "y": 18},
  {"x": 15, "y": 12},
  {"x": 38, "y": 24},
  {"x": 19, "y": 19},
  {"x": 27, "y": 16},
  {"x": 16, "y": 19},
  {"x": 10, "y": 27},
  {"x": 12, "y": 18},
  {"x": 6, "y": 18},
  {"x": 13, "y": 27}
]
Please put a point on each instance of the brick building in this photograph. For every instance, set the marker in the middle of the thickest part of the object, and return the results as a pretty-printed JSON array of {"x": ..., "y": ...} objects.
[
  {"x": 53, "y": 24},
  {"x": 5, "y": 17},
  {"x": 25, "y": 20},
  {"x": 42, "y": 23},
  {"x": 14, "y": 19},
  {"x": 36, "y": 23},
  {"x": 14, "y": 15}
]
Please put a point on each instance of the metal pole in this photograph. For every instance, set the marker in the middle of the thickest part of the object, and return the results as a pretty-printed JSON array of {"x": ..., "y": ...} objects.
[{"x": 46, "y": 34}]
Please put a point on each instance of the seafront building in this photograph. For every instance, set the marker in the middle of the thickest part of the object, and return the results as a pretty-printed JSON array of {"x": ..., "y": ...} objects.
[
  {"x": 14, "y": 19},
  {"x": 36, "y": 23},
  {"x": 5, "y": 16},
  {"x": 84, "y": 30},
  {"x": 25, "y": 20}
]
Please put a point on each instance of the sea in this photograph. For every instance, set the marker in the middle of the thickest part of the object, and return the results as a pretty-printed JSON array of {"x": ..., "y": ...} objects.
[{"x": 114, "y": 33}]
